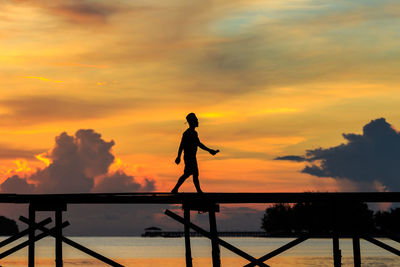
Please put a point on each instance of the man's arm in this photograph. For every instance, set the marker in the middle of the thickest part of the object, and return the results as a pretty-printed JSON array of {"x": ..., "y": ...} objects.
[
  {"x": 178, "y": 158},
  {"x": 211, "y": 151}
]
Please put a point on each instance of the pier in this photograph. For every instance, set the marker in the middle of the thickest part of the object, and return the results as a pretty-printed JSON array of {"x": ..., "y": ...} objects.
[{"x": 205, "y": 202}]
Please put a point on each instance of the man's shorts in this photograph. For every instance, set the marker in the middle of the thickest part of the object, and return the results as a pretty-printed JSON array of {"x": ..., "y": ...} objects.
[{"x": 191, "y": 167}]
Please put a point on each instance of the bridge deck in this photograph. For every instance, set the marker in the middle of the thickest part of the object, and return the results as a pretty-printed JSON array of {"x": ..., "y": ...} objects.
[{"x": 221, "y": 198}]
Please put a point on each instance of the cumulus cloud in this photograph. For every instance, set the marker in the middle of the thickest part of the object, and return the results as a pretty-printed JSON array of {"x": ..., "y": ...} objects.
[
  {"x": 80, "y": 163},
  {"x": 16, "y": 184},
  {"x": 76, "y": 161},
  {"x": 121, "y": 182},
  {"x": 371, "y": 160}
]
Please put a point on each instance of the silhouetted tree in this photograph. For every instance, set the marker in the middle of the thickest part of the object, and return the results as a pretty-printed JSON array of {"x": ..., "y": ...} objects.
[
  {"x": 318, "y": 218},
  {"x": 278, "y": 219},
  {"x": 8, "y": 226},
  {"x": 388, "y": 220}
]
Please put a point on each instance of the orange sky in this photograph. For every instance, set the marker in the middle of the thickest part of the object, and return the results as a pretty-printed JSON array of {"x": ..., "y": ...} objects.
[{"x": 266, "y": 79}]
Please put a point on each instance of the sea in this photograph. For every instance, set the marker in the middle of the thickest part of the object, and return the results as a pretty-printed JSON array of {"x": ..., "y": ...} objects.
[{"x": 170, "y": 252}]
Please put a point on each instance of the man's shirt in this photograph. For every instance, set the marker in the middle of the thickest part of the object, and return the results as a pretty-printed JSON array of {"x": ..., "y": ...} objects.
[{"x": 190, "y": 142}]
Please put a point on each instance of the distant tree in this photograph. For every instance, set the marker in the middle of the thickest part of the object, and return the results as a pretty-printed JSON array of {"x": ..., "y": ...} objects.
[
  {"x": 388, "y": 220},
  {"x": 8, "y": 226},
  {"x": 278, "y": 219},
  {"x": 318, "y": 218}
]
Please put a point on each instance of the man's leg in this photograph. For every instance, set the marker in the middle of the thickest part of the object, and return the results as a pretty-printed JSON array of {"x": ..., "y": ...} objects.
[
  {"x": 196, "y": 182},
  {"x": 196, "y": 176},
  {"x": 180, "y": 182}
]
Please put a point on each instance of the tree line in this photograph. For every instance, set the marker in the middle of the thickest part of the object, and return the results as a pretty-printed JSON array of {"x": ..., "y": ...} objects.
[
  {"x": 8, "y": 226},
  {"x": 322, "y": 219}
]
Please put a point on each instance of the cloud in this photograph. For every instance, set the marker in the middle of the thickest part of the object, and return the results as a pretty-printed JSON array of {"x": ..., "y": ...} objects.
[
  {"x": 80, "y": 163},
  {"x": 17, "y": 184},
  {"x": 371, "y": 160},
  {"x": 292, "y": 158},
  {"x": 43, "y": 79},
  {"x": 78, "y": 11},
  {"x": 84, "y": 11},
  {"x": 7, "y": 152},
  {"x": 30, "y": 110},
  {"x": 75, "y": 162},
  {"x": 121, "y": 182}
]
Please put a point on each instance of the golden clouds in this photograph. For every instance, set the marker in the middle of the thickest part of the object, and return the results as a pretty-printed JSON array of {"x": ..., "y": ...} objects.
[
  {"x": 72, "y": 64},
  {"x": 43, "y": 158},
  {"x": 43, "y": 79},
  {"x": 28, "y": 110}
]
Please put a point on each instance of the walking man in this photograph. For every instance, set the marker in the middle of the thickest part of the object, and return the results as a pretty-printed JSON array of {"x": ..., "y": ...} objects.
[{"x": 189, "y": 143}]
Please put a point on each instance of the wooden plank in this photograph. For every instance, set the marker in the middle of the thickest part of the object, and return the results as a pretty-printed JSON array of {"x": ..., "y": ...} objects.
[
  {"x": 281, "y": 249},
  {"x": 388, "y": 234},
  {"x": 382, "y": 245},
  {"x": 221, "y": 198},
  {"x": 26, "y": 243},
  {"x": 77, "y": 246},
  {"x": 22, "y": 233},
  {"x": 220, "y": 241}
]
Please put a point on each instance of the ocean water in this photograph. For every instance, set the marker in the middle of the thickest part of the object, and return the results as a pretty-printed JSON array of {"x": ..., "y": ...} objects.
[{"x": 170, "y": 252}]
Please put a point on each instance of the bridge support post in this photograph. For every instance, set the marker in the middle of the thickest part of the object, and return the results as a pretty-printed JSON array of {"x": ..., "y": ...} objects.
[
  {"x": 337, "y": 254},
  {"x": 188, "y": 251},
  {"x": 31, "y": 249},
  {"x": 58, "y": 245},
  {"x": 356, "y": 251},
  {"x": 213, "y": 231}
]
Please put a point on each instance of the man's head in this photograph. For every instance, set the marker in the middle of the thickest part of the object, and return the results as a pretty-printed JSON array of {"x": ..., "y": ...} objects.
[{"x": 192, "y": 120}]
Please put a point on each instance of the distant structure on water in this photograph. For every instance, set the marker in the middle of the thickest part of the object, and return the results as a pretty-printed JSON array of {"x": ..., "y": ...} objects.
[{"x": 157, "y": 232}]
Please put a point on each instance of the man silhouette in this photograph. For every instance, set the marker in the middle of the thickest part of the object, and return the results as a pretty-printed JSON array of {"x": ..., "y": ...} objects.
[{"x": 189, "y": 143}]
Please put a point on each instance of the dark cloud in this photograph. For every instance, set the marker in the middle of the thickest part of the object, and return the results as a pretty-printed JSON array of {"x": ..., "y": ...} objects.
[
  {"x": 121, "y": 182},
  {"x": 84, "y": 11},
  {"x": 78, "y": 11},
  {"x": 292, "y": 158},
  {"x": 16, "y": 184},
  {"x": 371, "y": 159},
  {"x": 76, "y": 161},
  {"x": 28, "y": 110}
]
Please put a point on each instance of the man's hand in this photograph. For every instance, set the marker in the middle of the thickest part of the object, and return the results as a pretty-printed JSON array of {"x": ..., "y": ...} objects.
[
  {"x": 178, "y": 160},
  {"x": 213, "y": 152}
]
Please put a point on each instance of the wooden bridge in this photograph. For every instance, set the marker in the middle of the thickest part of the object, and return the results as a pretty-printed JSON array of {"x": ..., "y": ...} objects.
[{"x": 206, "y": 202}]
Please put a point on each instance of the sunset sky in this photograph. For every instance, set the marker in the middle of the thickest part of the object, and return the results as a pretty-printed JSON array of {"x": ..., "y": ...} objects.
[{"x": 267, "y": 79}]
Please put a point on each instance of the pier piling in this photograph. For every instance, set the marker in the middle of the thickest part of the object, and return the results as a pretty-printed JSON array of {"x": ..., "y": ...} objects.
[
  {"x": 356, "y": 251},
  {"x": 188, "y": 250},
  {"x": 31, "y": 249}
]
